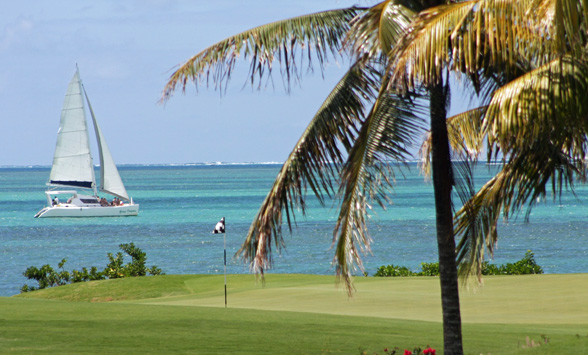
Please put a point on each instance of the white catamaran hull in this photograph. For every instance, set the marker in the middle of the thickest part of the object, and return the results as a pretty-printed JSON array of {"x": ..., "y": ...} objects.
[{"x": 67, "y": 210}]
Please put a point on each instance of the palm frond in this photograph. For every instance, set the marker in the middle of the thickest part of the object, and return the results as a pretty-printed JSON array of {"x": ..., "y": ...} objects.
[
  {"x": 521, "y": 35},
  {"x": 386, "y": 136},
  {"x": 521, "y": 183},
  {"x": 466, "y": 191},
  {"x": 312, "y": 163},
  {"x": 465, "y": 138},
  {"x": 547, "y": 102},
  {"x": 319, "y": 34},
  {"x": 563, "y": 23},
  {"x": 424, "y": 52},
  {"x": 475, "y": 223},
  {"x": 490, "y": 39},
  {"x": 377, "y": 30},
  {"x": 539, "y": 122}
]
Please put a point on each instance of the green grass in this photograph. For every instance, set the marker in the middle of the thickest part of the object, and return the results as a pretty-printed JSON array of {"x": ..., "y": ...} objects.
[{"x": 300, "y": 314}]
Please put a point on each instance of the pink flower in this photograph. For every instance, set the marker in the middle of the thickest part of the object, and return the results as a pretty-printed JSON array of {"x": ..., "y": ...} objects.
[
  {"x": 407, "y": 352},
  {"x": 429, "y": 351}
]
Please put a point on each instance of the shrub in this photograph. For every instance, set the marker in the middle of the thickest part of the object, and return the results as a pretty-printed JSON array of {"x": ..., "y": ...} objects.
[
  {"x": 429, "y": 269},
  {"x": 526, "y": 265},
  {"x": 115, "y": 268},
  {"x": 393, "y": 270},
  {"x": 46, "y": 276}
]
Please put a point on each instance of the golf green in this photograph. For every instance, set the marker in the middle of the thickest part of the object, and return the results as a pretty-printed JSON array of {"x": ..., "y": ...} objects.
[{"x": 294, "y": 314}]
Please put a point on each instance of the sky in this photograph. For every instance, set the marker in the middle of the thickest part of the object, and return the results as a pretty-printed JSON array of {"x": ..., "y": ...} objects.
[{"x": 126, "y": 50}]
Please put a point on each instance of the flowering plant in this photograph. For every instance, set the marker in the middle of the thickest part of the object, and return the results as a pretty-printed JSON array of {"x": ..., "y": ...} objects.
[{"x": 417, "y": 351}]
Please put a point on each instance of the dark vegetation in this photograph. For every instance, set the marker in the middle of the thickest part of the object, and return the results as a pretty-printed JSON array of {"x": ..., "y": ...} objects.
[
  {"x": 46, "y": 276},
  {"x": 526, "y": 265}
]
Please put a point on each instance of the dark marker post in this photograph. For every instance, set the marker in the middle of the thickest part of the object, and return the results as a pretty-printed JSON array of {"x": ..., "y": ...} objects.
[{"x": 220, "y": 228}]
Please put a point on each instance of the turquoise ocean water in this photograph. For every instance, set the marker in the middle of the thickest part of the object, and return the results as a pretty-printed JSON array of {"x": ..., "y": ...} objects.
[{"x": 180, "y": 206}]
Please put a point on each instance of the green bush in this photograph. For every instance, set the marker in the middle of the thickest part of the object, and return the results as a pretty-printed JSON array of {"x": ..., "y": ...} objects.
[
  {"x": 393, "y": 270},
  {"x": 115, "y": 268},
  {"x": 46, "y": 276},
  {"x": 525, "y": 266},
  {"x": 83, "y": 275},
  {"x": 429, "y": 269}
]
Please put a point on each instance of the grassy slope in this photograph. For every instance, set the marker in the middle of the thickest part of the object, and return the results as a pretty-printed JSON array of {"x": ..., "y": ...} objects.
[{"x": 292, "y": 314}]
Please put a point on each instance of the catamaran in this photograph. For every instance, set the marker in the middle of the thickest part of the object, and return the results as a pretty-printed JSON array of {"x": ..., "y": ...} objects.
[{"x": 73, "y": 166}]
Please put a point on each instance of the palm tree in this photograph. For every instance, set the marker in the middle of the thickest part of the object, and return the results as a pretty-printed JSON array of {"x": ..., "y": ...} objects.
[
  {"x": 527, "y": 61},
  {"x": 373, "y": 115},
  {"x": 366, "y": 114}
]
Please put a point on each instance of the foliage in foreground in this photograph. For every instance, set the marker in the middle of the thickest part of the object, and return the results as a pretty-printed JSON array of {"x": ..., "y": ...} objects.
[
  {"x": 525, "y": 266},
  {"x": 46, "y": 276}
]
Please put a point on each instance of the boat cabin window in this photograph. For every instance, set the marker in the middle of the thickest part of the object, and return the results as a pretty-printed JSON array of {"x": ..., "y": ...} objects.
[{"x": 89, "y": 200}]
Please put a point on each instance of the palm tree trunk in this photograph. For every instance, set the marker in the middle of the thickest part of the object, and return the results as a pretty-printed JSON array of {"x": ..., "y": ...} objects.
[{"x": 442, "y": 183}]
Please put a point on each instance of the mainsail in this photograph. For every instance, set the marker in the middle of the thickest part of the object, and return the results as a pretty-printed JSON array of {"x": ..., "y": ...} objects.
[{"x": 72, "y": 161}]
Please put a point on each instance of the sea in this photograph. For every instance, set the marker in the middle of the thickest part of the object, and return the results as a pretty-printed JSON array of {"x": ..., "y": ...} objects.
[{"x": 181, "y": 204}]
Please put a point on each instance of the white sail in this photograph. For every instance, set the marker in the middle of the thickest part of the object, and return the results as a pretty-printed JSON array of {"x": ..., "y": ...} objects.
[
  {"x": 72, "y": 161},
  {"x": 110, "y": 181}
]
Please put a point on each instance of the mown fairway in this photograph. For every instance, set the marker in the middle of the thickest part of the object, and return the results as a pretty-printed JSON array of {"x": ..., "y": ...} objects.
[{"x": 300, "y": 314}]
